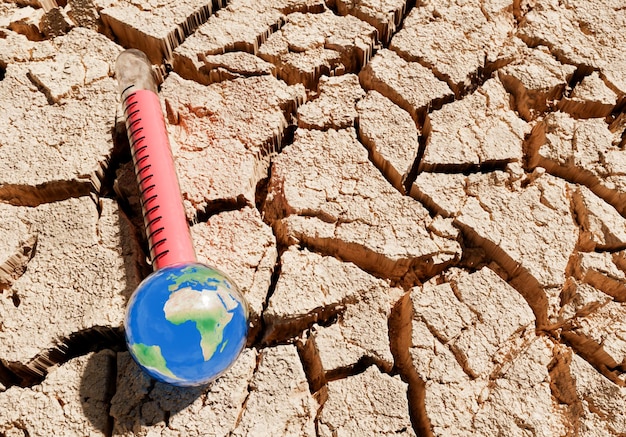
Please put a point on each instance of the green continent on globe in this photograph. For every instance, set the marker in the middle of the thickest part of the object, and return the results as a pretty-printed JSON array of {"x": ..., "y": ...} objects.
[
  {"x": 209, "y": 309},
  {"x": 151, "y": 357},
  {"x": 192, "y": 274}
]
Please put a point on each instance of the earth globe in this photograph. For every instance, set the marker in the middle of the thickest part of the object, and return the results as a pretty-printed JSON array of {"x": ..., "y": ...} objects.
[{"x": 186, "y": 324}]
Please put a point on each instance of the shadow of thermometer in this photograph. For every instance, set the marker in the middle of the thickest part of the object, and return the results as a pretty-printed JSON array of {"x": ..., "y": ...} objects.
[{"x": 187, "y": 322}]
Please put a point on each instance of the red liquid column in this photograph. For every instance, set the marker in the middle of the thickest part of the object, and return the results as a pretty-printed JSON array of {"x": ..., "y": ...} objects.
[{"x": 164, "y": 216}]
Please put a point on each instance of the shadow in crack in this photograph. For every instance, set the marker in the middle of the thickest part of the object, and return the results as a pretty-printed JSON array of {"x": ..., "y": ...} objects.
[
  {"x": 116, "y": 396},
  {"x": 134, "y": 247},
  {"x": 94, "y": 339},
  {"x": 137, "y": 400},
  {"x": 97, "y": 386}
]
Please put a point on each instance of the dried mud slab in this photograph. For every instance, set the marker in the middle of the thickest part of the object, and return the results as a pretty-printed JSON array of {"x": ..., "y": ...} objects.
[
  {"x": 73, "y": 399},
  {"x": 313, "y": 288},
  {"x": 382, "y": 408},
  {"x": 25, "y": 20},
  {"x": 242, "y": 246},
  {"x": 56, "y": 140},
  {"x": 155, "y": 28},
  {"x": 585, "y": 151},
  {"x": 334, "y": 106},
  {"x": 591, "y": 98},
  {"x": 325, "y": 193},
  {"x": 532, "y": 244},
  {"x": 241, "y": 26},
  {"x": 227, "y": 66},
  {"x": 14, "y": 47},
  {"x": 7, "y": 11},
  {"x": 56, "y": 22},
  {"x": 487, "y": 313},
  {"x": 501, "y": 404},
  {"x": 454, "y": 38},
  {"x": 602, "y": 227},
  {"x": 409, "y": 85},
  {"x": 534, "y": 77},
  {"x": 594, "y": 32},
  {"x": 579, "y": 299},
  {"x": 222, "y": 135},
  {"x": 478, "y": 131},
  {"x": 385, "y": 15},
  {"x": 601, "y": 270},
  {"x": 359, "y": 336},
  {"x": 390, "y": 136},
  {"x": 603, "y": 327},
  {"x": 505, "y": 406},
  {"x": 473, "y": 346},
  {"x": 80, "y": 271},
  {"x": 600, "y": 400},
  {"x": 141, "y": 407},
  {"x": 38, "y": 22},
  {"x": 279, "y": 402},
  {"x": 311, "y": 45},
  {"x": 350, "y": 309},
  {"x": 16, "y": 248}
]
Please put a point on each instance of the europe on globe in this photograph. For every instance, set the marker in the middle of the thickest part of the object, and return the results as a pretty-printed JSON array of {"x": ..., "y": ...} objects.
[{"x": 186, "y": 324}]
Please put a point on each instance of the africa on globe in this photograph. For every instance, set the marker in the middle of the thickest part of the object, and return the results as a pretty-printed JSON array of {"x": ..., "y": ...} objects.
[{"x": 186, "y": 324}]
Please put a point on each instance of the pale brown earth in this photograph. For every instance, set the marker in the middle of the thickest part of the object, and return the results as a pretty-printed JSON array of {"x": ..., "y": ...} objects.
[{"x": 424, "y": 203}]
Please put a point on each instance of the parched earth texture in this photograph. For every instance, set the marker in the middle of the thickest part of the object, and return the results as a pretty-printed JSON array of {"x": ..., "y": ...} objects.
[{"x": 424, "y": 203}]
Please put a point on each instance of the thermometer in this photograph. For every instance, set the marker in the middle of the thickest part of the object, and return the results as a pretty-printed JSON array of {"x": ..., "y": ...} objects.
[{"x": 187, "y": 322}]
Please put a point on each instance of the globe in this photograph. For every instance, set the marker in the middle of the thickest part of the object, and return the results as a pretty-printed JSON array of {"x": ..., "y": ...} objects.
[{"x": 186, "y": 324}]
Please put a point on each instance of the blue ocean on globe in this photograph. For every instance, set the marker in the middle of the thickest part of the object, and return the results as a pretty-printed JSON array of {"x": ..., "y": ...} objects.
[{"x": 186, "y": 325}]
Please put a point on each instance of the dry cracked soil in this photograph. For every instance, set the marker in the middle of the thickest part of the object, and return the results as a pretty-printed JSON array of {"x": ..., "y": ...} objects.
[{"x": 424, "y": 203}]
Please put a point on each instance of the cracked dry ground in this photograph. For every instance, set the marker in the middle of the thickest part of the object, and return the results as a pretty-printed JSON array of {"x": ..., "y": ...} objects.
[{"x": 423, "y": 202}]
